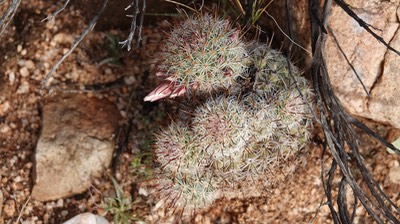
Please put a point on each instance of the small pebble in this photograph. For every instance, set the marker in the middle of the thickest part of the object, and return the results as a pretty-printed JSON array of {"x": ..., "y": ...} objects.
[
  {"x": 108, "y": 71},
  {"x": 4, "y": 128},
  {"x": 64, "y": 213},
  {"x": 24, "y": 52},
  {"x": 60, "y": 203},
  {"x": 30, "y": 64},
  {"x": 129, "y": 80},
  {"x": 23, "y": 88},
  {"x": 4, "y": 107},
  {"x": 9, "y": 208},
  {"x": 394, "y": 175},
  {"x": 11, "y": 78}
]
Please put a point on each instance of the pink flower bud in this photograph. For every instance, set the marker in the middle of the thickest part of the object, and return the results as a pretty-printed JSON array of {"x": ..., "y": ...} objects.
[
  {"x": 180, "y": 91},
  {"x": 162, "y": 91}
]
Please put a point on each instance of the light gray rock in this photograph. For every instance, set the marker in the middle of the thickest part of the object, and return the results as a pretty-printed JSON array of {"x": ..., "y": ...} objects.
[
  {"x": 75, "y": 145},
  {"x": 377, "y": 67},
  {"x": 87, "y": 218}
]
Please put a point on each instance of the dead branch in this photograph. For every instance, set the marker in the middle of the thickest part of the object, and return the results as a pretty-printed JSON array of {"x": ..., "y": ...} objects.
[
  {"x": 54, "y": 14},
  {"x": 76, "y": 43},
  {"x": 128, "y": 42},
  {"x": 338, "y": 130},
  {"x": 364, "y": 25},
  {"x": 8, "y": 15}
]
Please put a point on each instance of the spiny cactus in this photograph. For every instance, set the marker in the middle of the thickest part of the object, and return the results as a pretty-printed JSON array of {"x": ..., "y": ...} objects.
[
  {"x": 233, "y": 136},
  {"x": 229, "y": 141},
  {"x": 204, "y": 53},
  {"x": 185, "y": 181},
  {"x": 272, "y": 70},
  {"x": 177, "y": 150},
  {"x": 185, "y": 191},
  {"x": 222, "y": 124}
]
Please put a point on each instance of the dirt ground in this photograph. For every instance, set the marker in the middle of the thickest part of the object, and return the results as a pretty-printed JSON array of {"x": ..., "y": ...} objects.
[{"x": 30, "y": 48}]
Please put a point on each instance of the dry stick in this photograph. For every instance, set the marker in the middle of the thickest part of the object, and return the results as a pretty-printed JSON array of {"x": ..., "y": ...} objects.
[
  {"x": 336, "y": 111},
  {"x": 364, "y": 25},
  {"x": 56, "y": 12},
  {"x": 8, "y": 15},
  {"x": 23, "y": 208},
  {"x": 128, "y": 42},
  {"x": 139, "y": 38},
  {"x": 370, "y": 181},
  {"x": 348, "y": 61},
  {"x": 328, "y": 103},
  {"x": 77, "y": 42}
]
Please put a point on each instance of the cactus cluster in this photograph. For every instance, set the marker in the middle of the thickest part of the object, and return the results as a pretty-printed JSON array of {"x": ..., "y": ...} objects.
[
  {"x": 202, "y": 54},
  {"x": 232, "y": 137}
]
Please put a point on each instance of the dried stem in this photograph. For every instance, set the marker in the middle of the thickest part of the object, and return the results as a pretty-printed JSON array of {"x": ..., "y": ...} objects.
[
  {"x": 54, "y": 14},
  {"x": 77, "y": 42},
  {"x": 7, "y": 17}
]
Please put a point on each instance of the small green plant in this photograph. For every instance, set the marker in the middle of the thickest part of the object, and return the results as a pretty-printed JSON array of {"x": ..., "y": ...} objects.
[
  {"x": 120, "y": 206},
  {"x": 257, "y": 9},
  {"x": 141, "y": 166},
  {"x": 114, "y": 51}
]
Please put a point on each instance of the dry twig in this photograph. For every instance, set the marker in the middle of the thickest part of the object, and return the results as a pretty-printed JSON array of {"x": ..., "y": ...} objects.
[
  {"x": 8, "y": 15},
  {"x": 128, "y": 42},
  {"x": 76, "y": 43},
  {"x": 338, "y": 129}
]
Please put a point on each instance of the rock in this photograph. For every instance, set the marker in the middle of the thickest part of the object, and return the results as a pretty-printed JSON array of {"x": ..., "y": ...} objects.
[
  {"x": 87, "y": 218},
  {"x": 75, "y": 145},
  {"x": 23, "y": 88},
  {"x": 394, "y": 175},
  {"x": 9, "y": 208},
  {"x": 377, "y": 67}
]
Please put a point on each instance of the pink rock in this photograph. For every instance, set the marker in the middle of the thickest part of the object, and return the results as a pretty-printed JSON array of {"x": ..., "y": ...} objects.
[{"x": 377, "y": 67}]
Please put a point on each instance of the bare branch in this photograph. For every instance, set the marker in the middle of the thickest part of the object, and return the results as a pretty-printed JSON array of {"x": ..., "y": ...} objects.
[
  {"x": 128, "y": 42},
  {"x": 57, "y": 12},
  {"x": 339, "y": 133},
  {"x": 364, "y": 25},
  {"x": 139, "y": 38},
  {"x": 8, "y": 15},
  {"x": 348, "y": 61},
  {"x": 76, "y": 43}
]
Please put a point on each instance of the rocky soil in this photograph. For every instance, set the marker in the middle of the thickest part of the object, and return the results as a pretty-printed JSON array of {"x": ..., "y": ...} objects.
[{"x": 100, "y": 69}]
